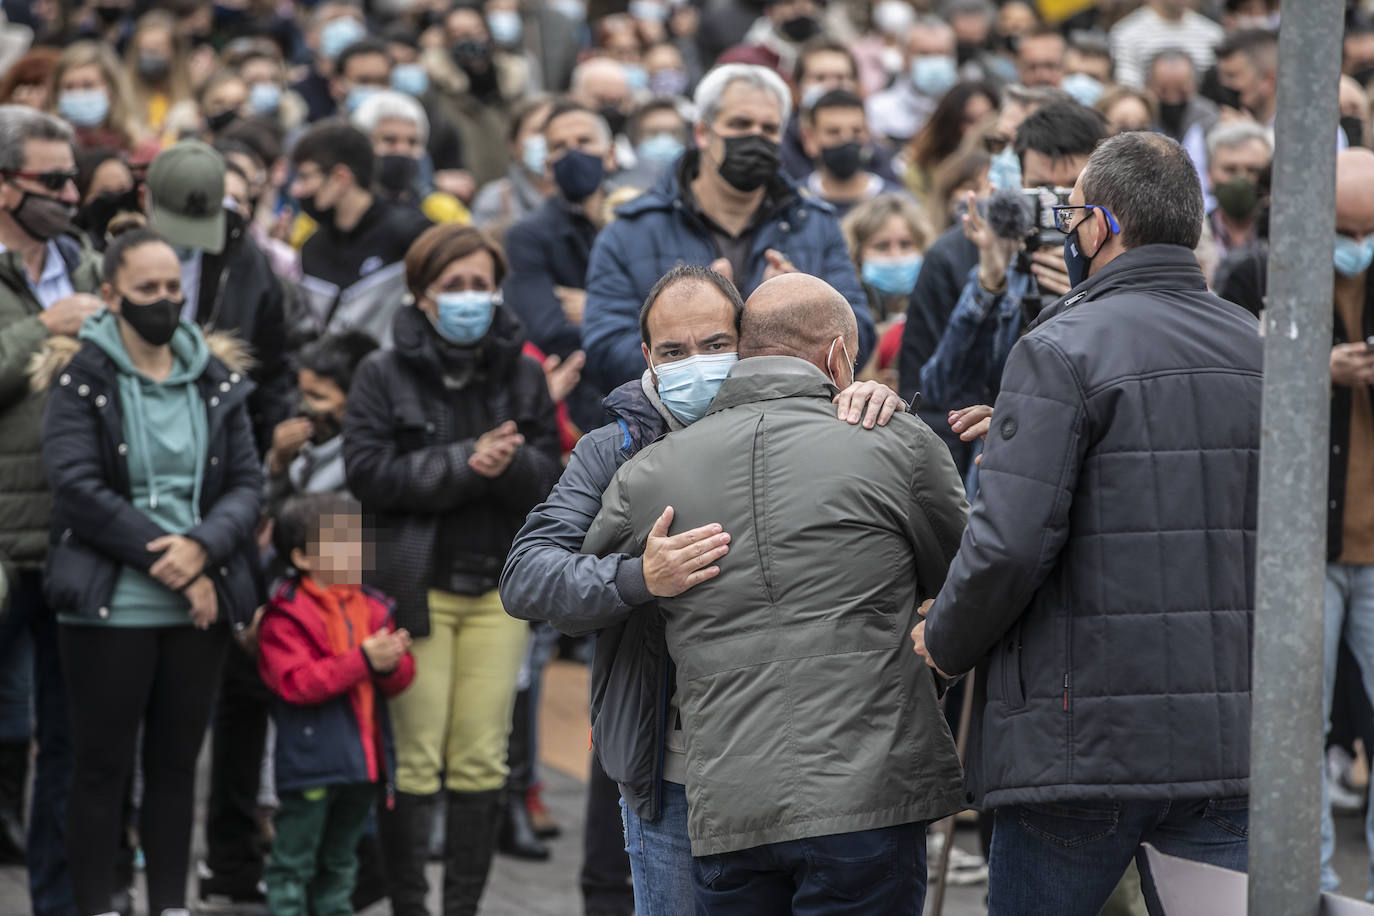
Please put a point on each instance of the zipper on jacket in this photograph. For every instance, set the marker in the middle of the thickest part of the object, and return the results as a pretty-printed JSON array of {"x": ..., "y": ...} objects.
[
  {"x": 656, "y": 791},
  {"x": 1066, "y": 691}
]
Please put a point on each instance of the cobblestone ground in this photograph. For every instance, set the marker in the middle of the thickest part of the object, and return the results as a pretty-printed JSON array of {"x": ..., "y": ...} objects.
[{"x": 551, "y": 888}]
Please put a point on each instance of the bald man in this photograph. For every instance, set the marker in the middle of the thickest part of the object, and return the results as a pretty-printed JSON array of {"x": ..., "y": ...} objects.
[
  {"x": 1350, "y": 519},
  {"x": 815, "y": 747}
]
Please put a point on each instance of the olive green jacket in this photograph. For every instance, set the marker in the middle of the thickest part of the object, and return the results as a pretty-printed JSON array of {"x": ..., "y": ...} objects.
[
  {"x": 805, "y": 709},
  {"x": 25, "y": 504}
]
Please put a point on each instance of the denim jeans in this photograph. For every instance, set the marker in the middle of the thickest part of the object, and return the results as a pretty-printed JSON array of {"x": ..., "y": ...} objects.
[
  {"x": 661, "y": 856},
  {"x": 1349, "y": 615},
  {"x": 1067, "y": 857},
  {"x": 845, "y": 874}
]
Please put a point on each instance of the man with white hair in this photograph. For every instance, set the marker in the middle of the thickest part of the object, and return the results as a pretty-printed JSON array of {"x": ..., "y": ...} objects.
[
  {"x": 899, "y": 112},
  {"x": 725, "y": 204},
  {"x": 399, "y": 130}
]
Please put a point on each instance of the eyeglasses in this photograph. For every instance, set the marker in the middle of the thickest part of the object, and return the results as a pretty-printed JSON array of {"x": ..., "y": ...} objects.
[
  {"x": 53, "y": 181},
  {"x": 1063, "y": 219}
]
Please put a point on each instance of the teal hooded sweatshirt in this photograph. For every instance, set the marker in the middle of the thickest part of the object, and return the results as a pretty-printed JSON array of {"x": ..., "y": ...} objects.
[{"x": 165, "y": 426}]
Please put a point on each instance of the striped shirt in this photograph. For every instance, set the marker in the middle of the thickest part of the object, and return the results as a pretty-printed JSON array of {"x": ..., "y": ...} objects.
[{"x": 1136, "y": 39}]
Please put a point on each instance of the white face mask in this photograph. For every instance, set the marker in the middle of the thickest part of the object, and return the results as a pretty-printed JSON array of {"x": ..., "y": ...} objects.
[{"x": 845, "y": 350}]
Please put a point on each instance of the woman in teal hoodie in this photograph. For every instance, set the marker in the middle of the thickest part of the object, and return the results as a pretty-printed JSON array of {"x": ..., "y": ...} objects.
[{"x": 156, "y": 491}]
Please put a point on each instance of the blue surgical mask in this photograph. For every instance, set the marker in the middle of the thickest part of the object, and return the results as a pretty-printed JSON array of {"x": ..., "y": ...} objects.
[
  {"x": 1005, "y": 172},
  {"x": 1085, "y": 89},
  {"x": 813, "y": 95},
  {"x": 505, "y": 26},
  {"x": 668, "y": 83},
  {"x": 264, "y": 98},
  {"x": 637, "y": 77},
  {"x": 688, "y": 386},
  {"x": 575, "y": 11},
  {"x": 357, "y": 95},
  {"x": 1352, "y": 258},
  {"x": 339, "y": 34},
  {"x": 84, "y": 107},
  {"x": 533, "y": 153},
  {"x": 464, "y": 318},
  {"x": 412, "y": 79},
  {"x": 648, "y": 10},
  {"x": 660, "y": 149},
  {"x": 933, "y": 74},
  {"x": 893, "y": 275}
]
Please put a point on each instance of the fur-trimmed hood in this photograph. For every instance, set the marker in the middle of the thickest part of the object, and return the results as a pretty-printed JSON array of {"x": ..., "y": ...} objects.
[{"x": 59, "y": 350}]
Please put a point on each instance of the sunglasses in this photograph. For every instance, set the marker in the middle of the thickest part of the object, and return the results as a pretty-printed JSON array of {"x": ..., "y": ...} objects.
[{"x": 53, "y": 181}]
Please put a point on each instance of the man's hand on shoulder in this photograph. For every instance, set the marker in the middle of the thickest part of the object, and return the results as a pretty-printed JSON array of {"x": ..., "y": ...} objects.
[
  {"x": 881, "y": 402},
  {"x": 675, "y": 563}
]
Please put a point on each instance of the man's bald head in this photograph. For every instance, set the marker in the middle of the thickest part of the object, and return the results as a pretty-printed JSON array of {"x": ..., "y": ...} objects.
[
  {"x": 1355, "y": 192},
  {"x": 798, "y": 315}
]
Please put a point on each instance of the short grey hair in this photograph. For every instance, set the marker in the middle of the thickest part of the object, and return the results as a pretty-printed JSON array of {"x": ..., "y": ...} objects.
[
  {"x": 385, "y": 105},
  {"x": 713, "y": 85},
  {"x": 1150, "y": 185},
  {"x": 1230, "y": 135},
  {"x": 19, "y": 124},
  {"x": 1167, "y": 55},
  {"x": 1039, "y": 97}
]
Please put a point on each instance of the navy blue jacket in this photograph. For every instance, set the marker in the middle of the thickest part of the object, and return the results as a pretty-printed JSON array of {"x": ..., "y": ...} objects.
[
  {"x": 547, "y": 578},
  {"x": 657, "y": 231}
]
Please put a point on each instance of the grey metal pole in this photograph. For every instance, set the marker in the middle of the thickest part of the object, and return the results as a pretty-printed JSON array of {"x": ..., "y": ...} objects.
[{"x": 1286, "y": 730}]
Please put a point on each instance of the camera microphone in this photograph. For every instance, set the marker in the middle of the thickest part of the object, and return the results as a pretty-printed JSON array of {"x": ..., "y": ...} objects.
[{"x": 1009, "y": 214}]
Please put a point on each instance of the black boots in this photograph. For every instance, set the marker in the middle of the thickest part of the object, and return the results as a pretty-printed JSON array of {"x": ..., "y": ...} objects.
[
  {"x": 404, "y": 833},
  {"x": 518, "y": 838},
  {"x": 14, "y": 770},
  {"x": 468, "y": 847}
]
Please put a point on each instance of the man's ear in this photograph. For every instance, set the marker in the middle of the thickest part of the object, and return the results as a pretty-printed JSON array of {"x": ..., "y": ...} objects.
[
  {"x": 644, "y": 348},
  {"x": 808, "y": 138}
]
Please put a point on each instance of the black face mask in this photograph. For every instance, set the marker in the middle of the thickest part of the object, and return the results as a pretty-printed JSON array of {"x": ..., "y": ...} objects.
[
  {"x": 800, "y": 28},
  {"x": 396, "y": 174},
  {"x": 750, "y": 161},
  {"x": 217, "y": 122},
  {"x": 95, "y": 216},
  {"x": 155, "y": 322},
  {"x": 842, "y": 161},
  {"x": 1363, "y": 76},
  {"x": 1354, "y": 130},
  {"x": 1171, "y": 116},
  {"x": 472, "y": 54},
  {"x": 965, "y": 52},
  {"x": 325, "y": 425},
  {"x": 310, "y": 209},
  {"x": 1224, "y": 96},
  {"x": 42, "y": 217},
  {"x": 615, "y": 119},
  {"x": 109, "y": 15}
]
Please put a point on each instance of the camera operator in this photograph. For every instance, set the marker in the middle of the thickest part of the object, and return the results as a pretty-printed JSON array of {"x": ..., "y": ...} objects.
[{"x": 1020, "y": 258}]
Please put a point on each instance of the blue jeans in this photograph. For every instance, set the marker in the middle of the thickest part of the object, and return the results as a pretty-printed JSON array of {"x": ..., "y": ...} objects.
[
  {"x": 661, "y": 855},
  {"x": 50, "y": 889},
  {"x": 845, "y": 874},
  {"x": 1349, "y": 615},
  {"x": 1067, "y": 857}
]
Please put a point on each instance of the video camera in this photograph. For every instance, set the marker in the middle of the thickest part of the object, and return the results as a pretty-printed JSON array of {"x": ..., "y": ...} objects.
[{"x": 1043, "y": 233}]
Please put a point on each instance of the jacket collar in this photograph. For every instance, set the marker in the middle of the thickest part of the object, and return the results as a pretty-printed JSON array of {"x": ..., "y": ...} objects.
[
  {"x": 1154, "y": 267},
  {"x": 769, "y": 378}
]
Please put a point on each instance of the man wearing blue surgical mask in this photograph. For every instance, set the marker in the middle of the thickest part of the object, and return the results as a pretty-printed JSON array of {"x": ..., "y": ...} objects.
[
  {"x": 550, "y": 248},
  {"x": 333, "y": 26},
  {"x": 900, "y": 112},
  {"x": 689, "y": 333}
]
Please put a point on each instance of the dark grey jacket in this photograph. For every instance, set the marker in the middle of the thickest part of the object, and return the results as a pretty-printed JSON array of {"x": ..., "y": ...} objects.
[
  {"x": 805, "y": 711},
  {"x": 547, "y": 578},
  {"x": 1105, "y": 584}
]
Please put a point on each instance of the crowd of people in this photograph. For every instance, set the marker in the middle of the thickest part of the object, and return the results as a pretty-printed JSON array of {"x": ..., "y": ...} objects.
[{"x": 357, "y": 358}]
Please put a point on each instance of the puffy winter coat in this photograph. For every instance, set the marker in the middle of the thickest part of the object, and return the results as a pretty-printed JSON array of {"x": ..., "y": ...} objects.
[
  {"x": 407, "y": 440},
  {"x": 1105, "y": 584}
]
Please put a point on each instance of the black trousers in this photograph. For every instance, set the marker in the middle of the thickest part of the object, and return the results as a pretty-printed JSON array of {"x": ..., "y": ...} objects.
[
  {"x": 605, "y": 877},
  {"x": 233, "y": 849},
  {"x": 115, "y": 676}
]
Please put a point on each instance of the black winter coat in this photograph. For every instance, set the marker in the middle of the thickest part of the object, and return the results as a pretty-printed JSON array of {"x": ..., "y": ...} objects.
[
  {"x": 407, "y": 441},
  {"x": 1105, "y": 585},
  {"x": 96, "y": 529},
  {"x": 240, "y": 293}
]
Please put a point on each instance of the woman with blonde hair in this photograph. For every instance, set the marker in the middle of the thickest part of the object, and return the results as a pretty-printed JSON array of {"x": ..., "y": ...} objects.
[
  {"x": 155, "y": 64},
  {"x": 887, "y": 237},
  {"x": 90, "y": 92}
]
